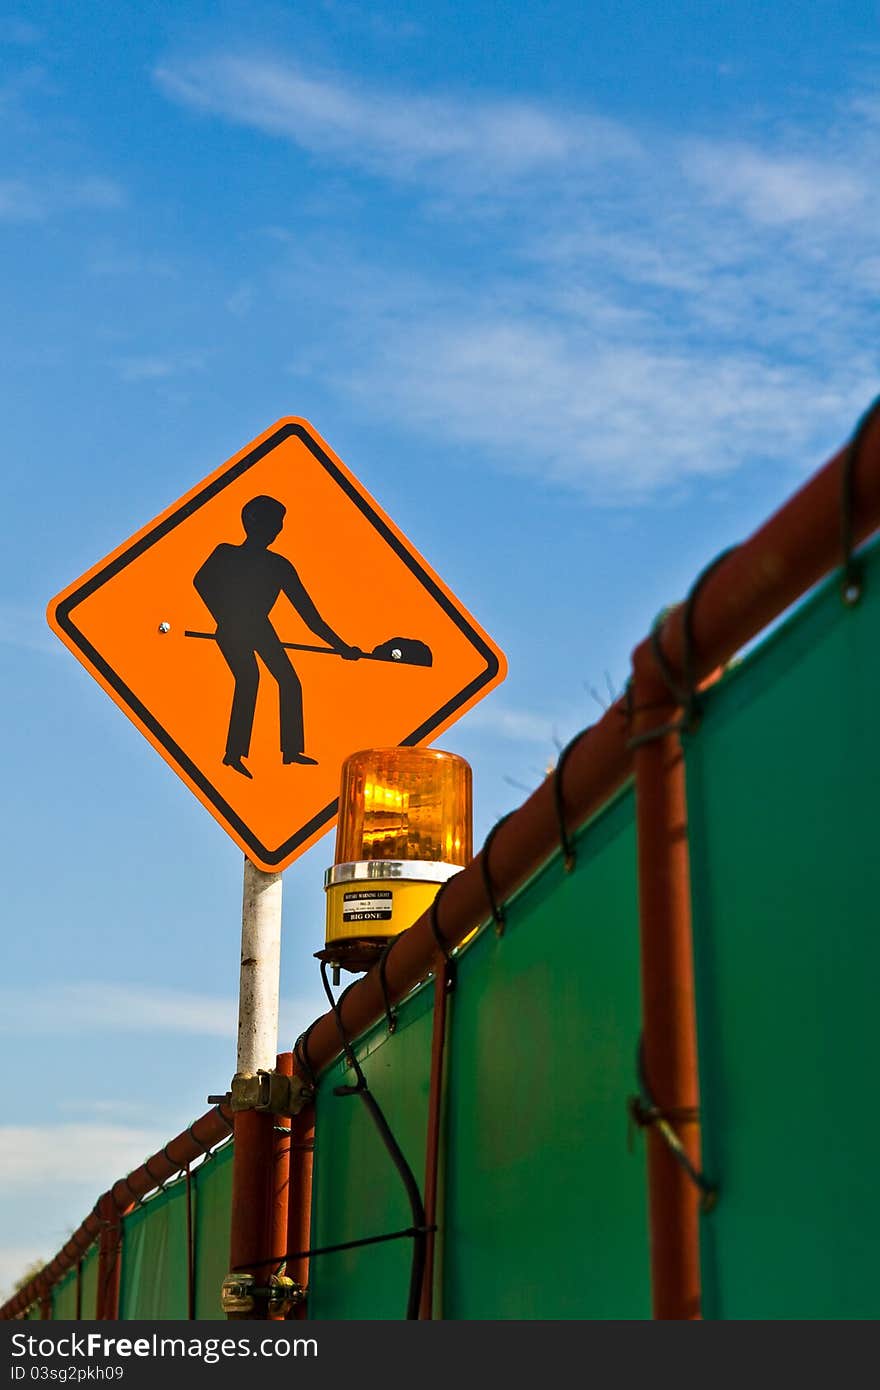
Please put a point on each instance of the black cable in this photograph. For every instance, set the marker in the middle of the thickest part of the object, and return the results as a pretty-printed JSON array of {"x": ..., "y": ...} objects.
[
  {"x": 301, "y": 1053},
  {"x": 496, "y": 908},
  {"x": 569, "y": 854},
  {"x": 687, "y": 696},
  {"x": 390, "y": 1015},
  {"x": 280, "y": 1260},
  {"x": 395, "y": 1153}
]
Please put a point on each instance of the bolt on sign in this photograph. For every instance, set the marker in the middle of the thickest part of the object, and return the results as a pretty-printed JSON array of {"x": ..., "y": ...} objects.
[{"x": 267, "y": 625}]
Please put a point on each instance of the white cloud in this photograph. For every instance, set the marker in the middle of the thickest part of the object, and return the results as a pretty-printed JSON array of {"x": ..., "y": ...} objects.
[
  {"x": 92, "y": 1006},
  {"x": 155, "y": 367},
  {"x": 24, "y": 625},
  {"x": 98, "y": 1006},
  {"x": 34, "y": 1156},
  {"x": 612, "y": 419},
  {"x": 402, "y": 135},
  {"x": 37, "y": 200},
  {"x": 517, "y": 725},
  {"x": 775, "y": 189},
  {"x": 661, "y": 308},
  {"x": 20, "y": 202}
]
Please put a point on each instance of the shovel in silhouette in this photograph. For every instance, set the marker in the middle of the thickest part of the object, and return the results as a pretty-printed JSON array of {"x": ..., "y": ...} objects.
[{"x": 400, "y": 651}]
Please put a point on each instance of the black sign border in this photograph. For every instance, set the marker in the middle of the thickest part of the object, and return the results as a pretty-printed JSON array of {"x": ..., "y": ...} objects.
[{"x": 65, "y": 621}]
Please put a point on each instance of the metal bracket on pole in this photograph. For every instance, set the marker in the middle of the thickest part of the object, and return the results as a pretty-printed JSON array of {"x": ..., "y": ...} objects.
[
  {"x": 267, "y": 1091},
  {"x": 240, "y": 1294}
]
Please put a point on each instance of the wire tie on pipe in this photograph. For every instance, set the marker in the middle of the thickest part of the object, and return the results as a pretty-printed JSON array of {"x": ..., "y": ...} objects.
[
  {"x": 138, "y": 1201},
  {"x": 151, "y": 1174},
  {"x": 569, "y": 854},
  {"x": 450, "y": 965},
  {"x": 496, "y": 908},
  {"x": 301, "y": 1053},
  {"x": 687, "y": 695},
  {"x": 645, "y": 1113},
  {"x": 853, "y": 577},
  {"x": 390, "y": 1015}
]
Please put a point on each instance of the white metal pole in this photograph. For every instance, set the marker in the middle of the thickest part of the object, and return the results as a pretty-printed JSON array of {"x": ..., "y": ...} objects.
[{"x": 260, "y": 971}]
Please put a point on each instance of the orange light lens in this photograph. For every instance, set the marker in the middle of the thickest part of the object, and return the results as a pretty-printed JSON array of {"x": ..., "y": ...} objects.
[{"x": 405, "y": 803}]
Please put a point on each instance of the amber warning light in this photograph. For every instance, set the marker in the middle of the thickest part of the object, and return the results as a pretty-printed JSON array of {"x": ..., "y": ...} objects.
[{"x": 404, "y": 829}]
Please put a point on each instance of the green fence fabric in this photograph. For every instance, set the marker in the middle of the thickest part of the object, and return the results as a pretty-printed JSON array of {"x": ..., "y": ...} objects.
[
  {"x": 783, "y": 779},
  {"x": 212, "y": 1183},
  {"x": 154, "y": 1258},
  {"x": 356, "y": 1189},
  {"x": 64, "y": 1297},
  {"x": 89, "y": 1276},
  {"x": 544, "y": 1214},
  {"x": 154, "y": 1281}
]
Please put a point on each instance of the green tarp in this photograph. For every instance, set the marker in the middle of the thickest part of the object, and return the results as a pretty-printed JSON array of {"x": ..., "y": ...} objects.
[
  {"x": 64, "y": 1297},
  {"x": 89, "y": 1289},
  {"x": 544, "y": 1213},
  {"x": 155, "y": 1280},
  {"x": 213, "y": 1204},
  {"x": 783, "y": 782}
]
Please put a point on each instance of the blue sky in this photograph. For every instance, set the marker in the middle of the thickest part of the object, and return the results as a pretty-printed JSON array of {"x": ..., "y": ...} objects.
[{"x": 581, "y": 292}]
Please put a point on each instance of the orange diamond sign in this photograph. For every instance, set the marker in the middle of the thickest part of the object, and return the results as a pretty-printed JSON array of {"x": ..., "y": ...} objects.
[{"x": 265, "y": 626}]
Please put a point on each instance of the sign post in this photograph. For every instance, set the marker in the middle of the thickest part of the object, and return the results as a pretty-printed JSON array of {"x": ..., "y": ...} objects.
[{"x": 265, "y": 626}]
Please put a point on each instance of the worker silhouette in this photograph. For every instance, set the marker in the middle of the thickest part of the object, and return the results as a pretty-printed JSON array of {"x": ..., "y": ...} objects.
[{"x": 240, "y": 584}]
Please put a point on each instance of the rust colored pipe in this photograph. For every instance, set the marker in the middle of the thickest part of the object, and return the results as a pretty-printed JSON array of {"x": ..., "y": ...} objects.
[
  {"x": 668, "y": 1012},
  {"x": 203, "y": 1134},
  {"x": 759, "y": 580},
  {"x": 109, "y": 1260},
  {"x": 252, "y": 1200},
  {"x": 280, "y": 1181},
  {"x": 299, "y": 1207},
  {"x": 443, "y": 978}
]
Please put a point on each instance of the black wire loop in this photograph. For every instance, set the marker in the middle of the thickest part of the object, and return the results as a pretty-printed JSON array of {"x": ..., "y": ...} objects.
[
  {"x": 566, "y": 844},
  {"x": 138, "y": 1201},
  {"x": 160, "y": 1185},
  {"x": 687, "y": 694},
  {"x": 450, "y": 963},
  {"x": 390, "y": 1013},
  {"x": 496, "y": 908},
  {"x": 418, "y": 1229},
  {"x": 301, "y": 1053},
  {"x": 644, "y": 1112},
  {"x": 440, "y": 939},
  {"x": 853, "y": 574}
]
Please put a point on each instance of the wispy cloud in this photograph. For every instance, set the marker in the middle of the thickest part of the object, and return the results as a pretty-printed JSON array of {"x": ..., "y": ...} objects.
[
  {"x": 664, "y": 306},
  {"x": 19, "y": 32},
  {"x": 92, "y": 1006},
  {"x": 34, "y": 1156},
  {"x": 157, "y": 366},
  {"x": 775, "y": 189},
  {"x": 37, "y": 200},
  {"x": 517, "y": 725},
  {"x": 24, "y": 625},
  {"x": 402, "y": 135}
]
